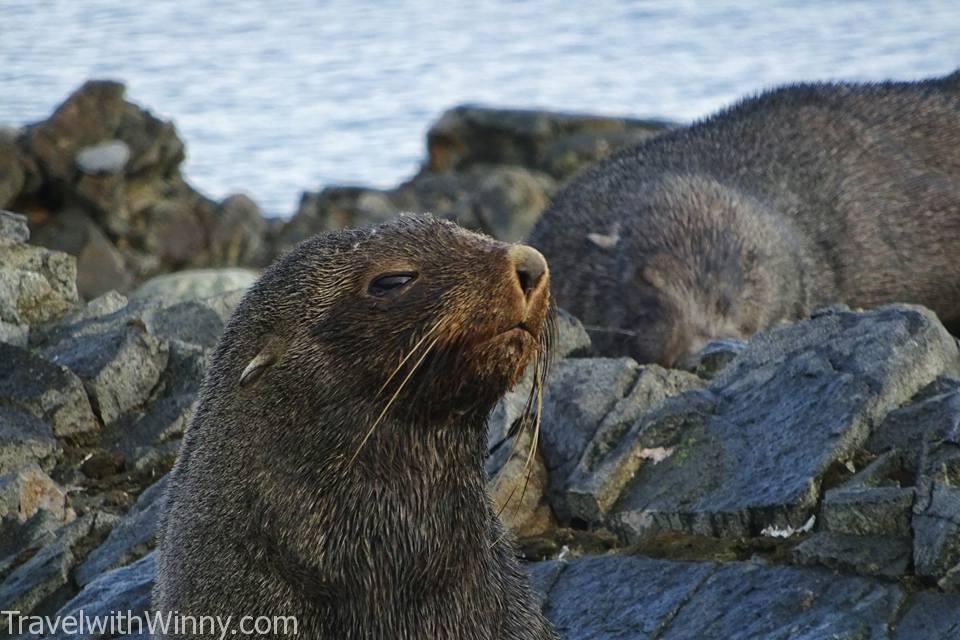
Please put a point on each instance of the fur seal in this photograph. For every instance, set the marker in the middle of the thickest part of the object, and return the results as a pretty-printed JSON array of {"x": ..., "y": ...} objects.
[
  {"x": 801, "y": 197},
  {"x": 334, "y": 469}
]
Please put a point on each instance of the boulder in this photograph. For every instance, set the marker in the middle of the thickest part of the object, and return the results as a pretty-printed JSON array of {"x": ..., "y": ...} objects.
[
  {"x": 25, "y": 439},
  {"x": 36, "y": 285},
  {"x": 194, "y": 284},
  {"x": 936, "y": 534},
  {"x": 12, "y": 176},
  {"x": 507, "y": 203},
  {"x": 929, "y": 616},
  {"x": 238, "y": 236},
  {"x": 20, "y": 539},
  {"x": 28, "y": 489}
]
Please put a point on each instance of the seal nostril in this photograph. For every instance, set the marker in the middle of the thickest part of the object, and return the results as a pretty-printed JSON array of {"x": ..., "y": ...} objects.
[{"x": 530, "y": 267}]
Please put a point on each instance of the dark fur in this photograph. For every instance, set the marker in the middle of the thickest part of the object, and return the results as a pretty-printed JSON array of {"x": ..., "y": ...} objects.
[
  {"x": 804, "y": 196},
  {"x": 266, "y": 514}
]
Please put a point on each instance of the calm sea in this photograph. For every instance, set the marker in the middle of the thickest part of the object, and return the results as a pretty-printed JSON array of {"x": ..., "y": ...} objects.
[{"x": 274, "y": 97}]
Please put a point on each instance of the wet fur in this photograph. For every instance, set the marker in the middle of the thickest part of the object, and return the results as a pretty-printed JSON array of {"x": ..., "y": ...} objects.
[
  {"x": 804, "y": 196},
  {"x": 277, "y": 505}
]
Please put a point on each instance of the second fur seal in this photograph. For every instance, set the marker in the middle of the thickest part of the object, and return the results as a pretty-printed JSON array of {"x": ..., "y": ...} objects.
[
  {"x": 805, "y": 196},
  {"x": 334, "y": 470}
]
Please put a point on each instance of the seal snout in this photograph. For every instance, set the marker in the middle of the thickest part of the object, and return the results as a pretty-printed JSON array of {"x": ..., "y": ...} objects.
[{"x": 531, "y": 269}]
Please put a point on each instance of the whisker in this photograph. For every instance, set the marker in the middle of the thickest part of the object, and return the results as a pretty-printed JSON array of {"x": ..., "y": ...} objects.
[
  {"x": 409, "y": 355},
  {"x": 393, "y": 398}
]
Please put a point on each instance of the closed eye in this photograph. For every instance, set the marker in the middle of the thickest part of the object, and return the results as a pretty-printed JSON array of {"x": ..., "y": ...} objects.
[{"x": 390, "y": 283}]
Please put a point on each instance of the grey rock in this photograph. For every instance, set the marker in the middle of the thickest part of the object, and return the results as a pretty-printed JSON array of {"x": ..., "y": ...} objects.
[
  {"x": 569, "y": 154},
  {"x": 469, "y": 135},
  {"x": 238, "y": 235},
  {"x": 598, "y": 478},
  {"x": 194, "y": 284},
  {"x": 24, "y": 439},
  {"x": 866, "y": 555},
  {"x": 42, "y": 583},
  {"x": 571, "y": 338},
  {"x": 124, "y": 589},
  {"x": 337, "y": 207},
  {"x": 580, "y": 393},
  {"x": 106, "y": 157},
  {"x": 929, "y": 616},
  {"x": 36, "y": 285},
  {"x": 509, "y": 202},
  {"x": 517, "y": 490},
  {"x": 743, "y": 601},
  {"x": 868, "y": 511},
  {"x": 936, "y": 533},
  {"x": 119, "y": 368},
  {"x": 51, "y": 392},
  {"x": 623, "y": 597},
  {"x": 12, "y": 175},
  {"x": 15, "y": 333},
  {"x": 131, "y": 538},
  {"x": 28, "y": 489},
  {"x": 714, "y": 356},
  {"x": 750, "y": 451},
  {"x": 13, "y": 228},
  {"x": 21, "y": 539},
  {"x": 193, "y": 322},
  {"x": 543, "y": 575}
]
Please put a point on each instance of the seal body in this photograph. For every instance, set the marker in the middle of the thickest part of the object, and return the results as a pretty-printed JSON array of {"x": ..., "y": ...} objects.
[
  {"x": 333, "y": 470},
  {"x": 801, "y": 197}
]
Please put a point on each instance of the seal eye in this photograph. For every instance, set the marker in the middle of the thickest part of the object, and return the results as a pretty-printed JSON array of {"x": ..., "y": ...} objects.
[{"x": 390, "y": 283}]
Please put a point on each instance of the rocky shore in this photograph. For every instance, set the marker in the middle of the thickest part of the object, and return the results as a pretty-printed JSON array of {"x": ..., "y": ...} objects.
[{"x": 801, "y": 485}]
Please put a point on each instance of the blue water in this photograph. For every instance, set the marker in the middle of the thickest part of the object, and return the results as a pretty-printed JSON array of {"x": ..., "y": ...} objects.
[{"x": 274, "y": 97}]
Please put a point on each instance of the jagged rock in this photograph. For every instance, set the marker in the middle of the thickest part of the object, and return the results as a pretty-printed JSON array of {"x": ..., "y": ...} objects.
[
  {"x": 194, "y": 284},
  {"x": 21, "y": 539},
  {"x": 11, "y": 170},
  {"x": 596, "y": 481},
  {"x": 25, "y": 439},
  {"x": 517, "y": 490},
  {"x": 743, "y": 600},
  {"x": 130, "y": 539},
  {"x": 714, "y": 356},
  {"x": 580, "y": 392},
  {"x": 238, "y": 234},
  {"x": 27, "y": 489},
  {"x": 42, "y": 583},
  {"x": 509, "y": 201},
  {"x": 13, "y": 228},
  {"x": 118, "y": 368},
  {"x": 106, "y": 157},
  {"x": 127, "y": 589},
  {"x": 750, "y": 451},
  {"x": 36, "y": 285},
  {"x": 866, "y": 555},
  {"x": 571, "y": 339},
  {"x": 621, "y": 596},
  {"x": 936, "y": 534},
  {"x": 868, "y": 511},
  {"x": 336, "y": 208},
  {"x": 51, "y": 392},
  {"x": 469, "y": 135},
  {"x": 929, "y": 616}
]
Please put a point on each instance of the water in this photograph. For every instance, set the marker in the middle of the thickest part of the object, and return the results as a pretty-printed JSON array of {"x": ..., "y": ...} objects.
[{"x": 276, "y": 97}]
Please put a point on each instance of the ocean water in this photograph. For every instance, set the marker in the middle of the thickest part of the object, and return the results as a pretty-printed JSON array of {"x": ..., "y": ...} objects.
[{"x": 276, "y": 97}]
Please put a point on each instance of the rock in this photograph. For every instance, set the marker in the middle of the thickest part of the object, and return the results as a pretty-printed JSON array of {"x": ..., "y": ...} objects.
[
  {"x": 517, "y": 491},
  {"x": 127, "y": 589},
  {"x": 36, "y": 285},
  {"x": 50, "y": 392},
  {"x": 118, "y": 368},
  {"x": 936, "y": 534},
  {"x": 622, "y": 596},
  {"x": 867, "y": 555},
  {"x": 106, "y": 157},
  {"x": 238, "y": 235},
  {"x": 748, "y": 453},
  {"x": 100, "y": 265},
  {"x": 868, "y": 511},
  {"x": 132, "y": 537},
  {"x": 596, "y": 481},
  {"x": 580, "y": 392},
  {"x": 28, "y": 489},
  {"x": 195, "y": 284},
  {"x": 929, "y": 616},
  {"x": 336, "y": 208},
  {"x": 569, "y": 154},
  {"x": 742, "y": 600},
  {"x": 509, "y": 202},
  {"x": 21, "y": 539},
  {"x": 469, "y": 135},
  {"x": 42, "y": 584},
  {"x": 12, "y": 176},
  {"x": 25, "y": 439},
  {"x": 13, "y": 228},
  {"x": 714, "y": 356},
  {"x": 570, "y": 338}
]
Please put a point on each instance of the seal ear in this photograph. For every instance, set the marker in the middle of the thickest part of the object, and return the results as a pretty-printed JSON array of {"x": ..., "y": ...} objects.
[{"x": 268, "y": 355}]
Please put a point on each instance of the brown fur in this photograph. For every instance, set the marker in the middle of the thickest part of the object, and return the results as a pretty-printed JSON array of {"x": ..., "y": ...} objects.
[
  {"x": 804, "y": 196},
  {"x": 286, "y": 502}
]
